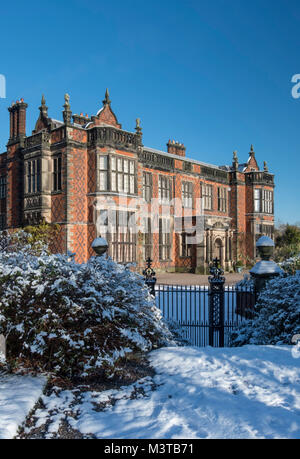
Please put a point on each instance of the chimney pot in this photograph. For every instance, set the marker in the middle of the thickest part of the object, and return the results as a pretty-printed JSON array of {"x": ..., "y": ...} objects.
[{"x": 176, "y": 148}]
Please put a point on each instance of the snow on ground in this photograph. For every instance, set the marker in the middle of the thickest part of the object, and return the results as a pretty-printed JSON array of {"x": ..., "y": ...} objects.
[
  {"x": 18, "y": 395},
  {"x": 248, "y": 392}
]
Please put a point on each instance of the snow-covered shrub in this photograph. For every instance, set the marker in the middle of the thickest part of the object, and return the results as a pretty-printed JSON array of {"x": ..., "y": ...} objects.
[
  {"x": 21, "y": 241},
  {"x": 245, "y": 284},
  {"x": 291, "y": 265},
  {"x": 75, "y": 320},
  {"x": 276, "y": 317},
  {"x": 178, "y": 333}
]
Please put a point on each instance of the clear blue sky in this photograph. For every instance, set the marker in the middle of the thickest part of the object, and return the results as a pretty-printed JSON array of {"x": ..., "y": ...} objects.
[{"x": 215, "y": 75}]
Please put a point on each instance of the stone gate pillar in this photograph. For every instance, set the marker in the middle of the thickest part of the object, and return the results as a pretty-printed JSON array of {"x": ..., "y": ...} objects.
[{"x": 266, "y": 268}]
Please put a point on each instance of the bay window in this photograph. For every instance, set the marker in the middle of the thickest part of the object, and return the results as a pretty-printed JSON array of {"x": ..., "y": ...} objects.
[
  {"x": 33, "y": 175},
  {"x": 117, "y": 174},
  {"x": 267, "y": 201},
  {"x": 263, "y": 201}
]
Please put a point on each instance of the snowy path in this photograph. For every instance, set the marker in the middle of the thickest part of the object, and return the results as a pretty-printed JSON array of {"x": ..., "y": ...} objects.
[
  {"x": 18, "y": 395},
  {"x": 249, "y": 392}
]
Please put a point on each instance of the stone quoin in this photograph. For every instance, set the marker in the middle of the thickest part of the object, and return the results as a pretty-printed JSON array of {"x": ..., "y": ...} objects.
[{"x": 62, "y": 172}]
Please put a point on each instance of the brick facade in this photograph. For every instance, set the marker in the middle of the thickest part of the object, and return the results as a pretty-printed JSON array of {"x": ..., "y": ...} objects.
[{"x": 73, "y": 172}]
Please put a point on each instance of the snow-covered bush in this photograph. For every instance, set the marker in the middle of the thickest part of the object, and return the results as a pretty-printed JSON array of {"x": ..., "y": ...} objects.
[
  {"x": 21, "y": 241},
  {"x": 276, "y": 317},
  {"x": 178, "y": 333},
  {"x": 75, "y": 320},
  {"x": 291, "y": 265},
  {"x": 245, "y": 284}
]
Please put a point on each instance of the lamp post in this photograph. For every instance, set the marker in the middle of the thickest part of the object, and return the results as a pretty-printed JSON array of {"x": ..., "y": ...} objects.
[{"x": 266, "y": 268}]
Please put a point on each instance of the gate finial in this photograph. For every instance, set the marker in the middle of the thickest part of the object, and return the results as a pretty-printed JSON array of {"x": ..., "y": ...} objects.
[
  {"x": 216, "y": 272},
  {"x": 149, "y": 275}
]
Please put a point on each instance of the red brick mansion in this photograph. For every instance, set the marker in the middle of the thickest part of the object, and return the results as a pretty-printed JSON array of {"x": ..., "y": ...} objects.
[{"x": 74, "y": 172}]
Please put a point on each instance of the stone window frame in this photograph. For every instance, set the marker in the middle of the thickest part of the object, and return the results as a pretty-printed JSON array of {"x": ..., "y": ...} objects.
[
  {"x": 3, "y": 186},
  {"x": 33, "y": 176},
  {"x": 257, "y": 199},
  {"x": 267, "y": 202},
  {"x": 123, "y": 175},
  {"x": 165, "y": 184},
  {"x": 103, "y": 173},
  {"x": 164, "y": 239},
  {"x": 257, "y": 228},
  {"x": 184, "y": 247},
  {"x": 111, "y": 175},
  {"x": 147, "y": 238},
  {"x": 263, "y": 201},
  {"x": 147, "y": 186},
  {"x": 207, "y": 196},
  {"x": 187, "y": 194},
  {"x": 122, "y": 244},
  {"x": 264, "y": 229},
  {"x": 222, "y": 199},
  {"x": 57, "y": 173}
]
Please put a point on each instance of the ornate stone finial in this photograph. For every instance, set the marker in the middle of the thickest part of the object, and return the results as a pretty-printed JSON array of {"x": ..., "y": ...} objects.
[
  {"x": 138, "y": 130},
  {"x": 138, "y": 126},
  {"x": 43, "y": 107},
  {"x": 265, "y": 246},
  {"x": 266, "y": 166},
  {"x": 67, "y": 110},
  {"x": 251, "y": 151},
  {"x": 67, "y": 100},
  {"x": 235, "y": 161},
  {"x": 107, "y": 100},
  {"x": 100, "y": 246}
]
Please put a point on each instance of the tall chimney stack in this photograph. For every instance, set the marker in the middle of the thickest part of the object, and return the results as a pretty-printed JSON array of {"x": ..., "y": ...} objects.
[
  {"x": 176, "y": 148},
  {"x": 17, "y": 120}
]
